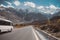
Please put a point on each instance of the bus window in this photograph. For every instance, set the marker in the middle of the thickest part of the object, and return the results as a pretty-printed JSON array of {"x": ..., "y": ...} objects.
[{"x": 4, "y": 22}]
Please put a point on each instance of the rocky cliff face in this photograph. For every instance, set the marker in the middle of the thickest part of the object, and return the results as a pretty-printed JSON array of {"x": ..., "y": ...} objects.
[
  {"x": 7, "y": 14},
  {"x": 21, "y": 15}
]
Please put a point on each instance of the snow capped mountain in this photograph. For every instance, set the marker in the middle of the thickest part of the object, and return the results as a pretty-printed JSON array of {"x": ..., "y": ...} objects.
[
  {"x": 8, "y": 13},
  {"x": 19, "y": 15},
  {"x": 2, "y": 8}
]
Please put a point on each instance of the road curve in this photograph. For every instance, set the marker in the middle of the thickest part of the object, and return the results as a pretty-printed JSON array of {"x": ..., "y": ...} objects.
[
  {"x": 26, "y": 33},
  {"x": 44, "y": 36}
]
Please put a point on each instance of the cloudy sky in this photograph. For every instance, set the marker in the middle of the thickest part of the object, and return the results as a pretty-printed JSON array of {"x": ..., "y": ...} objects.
[{"x": 46, "y": 6}]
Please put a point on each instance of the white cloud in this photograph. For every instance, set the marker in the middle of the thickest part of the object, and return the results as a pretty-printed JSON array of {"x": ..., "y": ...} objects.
[
  {"x": 48, "y": 9},
  {"x": 40, "y": 7},
  {"x": 6, "y": 6},
  {"x": 2, "y": 5},
  {"x": 30, "y": 4},
  {"x": 8, "y": 3},
  {"x": 52, "y": 7},
  {"x": 17, "y": 3},
  {"x": 9, "y": 6}
]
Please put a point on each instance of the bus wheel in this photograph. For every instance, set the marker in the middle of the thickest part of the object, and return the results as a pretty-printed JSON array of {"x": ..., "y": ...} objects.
[{"x": 10, "y": 30}]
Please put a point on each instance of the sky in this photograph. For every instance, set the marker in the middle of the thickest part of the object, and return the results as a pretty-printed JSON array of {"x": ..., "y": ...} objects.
[{"x": 46, "y": 6}]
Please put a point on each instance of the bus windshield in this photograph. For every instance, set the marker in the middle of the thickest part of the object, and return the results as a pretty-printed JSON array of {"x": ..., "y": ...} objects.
[{"x": 4, "y": 22}]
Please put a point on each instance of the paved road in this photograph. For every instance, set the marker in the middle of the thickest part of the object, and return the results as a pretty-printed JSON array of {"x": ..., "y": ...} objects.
[
  {"x": 44, "y": 36},
  {"x": 25, "y": 33}
]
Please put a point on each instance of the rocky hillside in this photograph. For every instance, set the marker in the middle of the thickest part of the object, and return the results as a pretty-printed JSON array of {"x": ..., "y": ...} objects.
[
  {"x": 21, "y": 15},
  {"x": 7, "y": 14}
]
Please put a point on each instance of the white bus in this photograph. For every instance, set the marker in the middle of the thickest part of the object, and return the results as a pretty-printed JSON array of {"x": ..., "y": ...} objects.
[{"x": 5, "y": 25}]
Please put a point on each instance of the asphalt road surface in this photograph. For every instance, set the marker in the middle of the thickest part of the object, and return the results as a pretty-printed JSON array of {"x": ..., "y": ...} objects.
[
  {"x": 25, "y": 33},
  {"x": 44, "y": 36}
]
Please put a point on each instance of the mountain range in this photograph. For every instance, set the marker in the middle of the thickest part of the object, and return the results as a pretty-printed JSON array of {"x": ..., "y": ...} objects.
[{"x": 23, "y": 15}]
